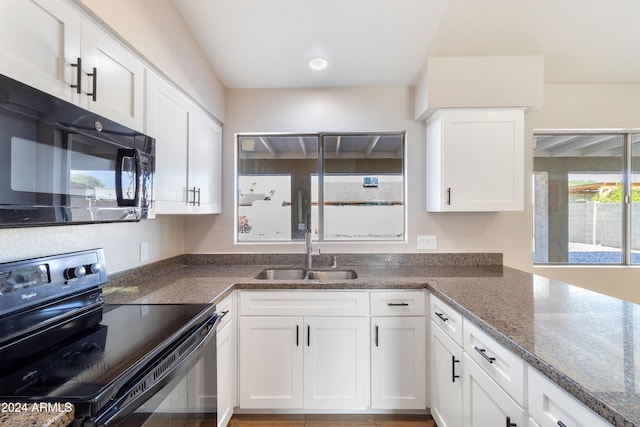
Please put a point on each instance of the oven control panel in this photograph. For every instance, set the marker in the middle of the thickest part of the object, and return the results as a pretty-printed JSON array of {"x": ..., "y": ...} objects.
[{"x": 31, "y": 282}]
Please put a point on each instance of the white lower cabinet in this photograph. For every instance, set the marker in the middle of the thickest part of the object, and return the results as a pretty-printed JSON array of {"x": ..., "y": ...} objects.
[
  {"x": 270, "y": 362},
  {"x": 446, "y": 379},
  {"x": 398, "y": 350},
  {"x": 226, "y": 359},
  {"x": 550, "y": 406},
  {"x": 303, "y": 361},
  {"x": 336, "y": 375},
  {"x": 398, "y": 363},
  {"x": 478, "y": 382},
  {"x": 486, "y": 404}
]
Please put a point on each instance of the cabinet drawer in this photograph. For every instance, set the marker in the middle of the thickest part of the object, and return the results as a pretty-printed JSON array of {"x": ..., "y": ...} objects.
[
  {"x": 400, "y": 303},
  {"x": 447, "y": 318},
  {"x": 226, "y": 305},
  {"x": 303, "y": 303},
  {"x": 504, "y": 367},
  {"x": 551, "y": 406}
]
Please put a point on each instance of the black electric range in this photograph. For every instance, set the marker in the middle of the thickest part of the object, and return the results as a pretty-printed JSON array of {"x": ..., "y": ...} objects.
[{"x": 59, "y": 341}]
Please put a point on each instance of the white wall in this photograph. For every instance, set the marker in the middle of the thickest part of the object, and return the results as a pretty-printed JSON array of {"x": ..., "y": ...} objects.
[
  {"x": 121, "y": 242},
  {"x": 354, "y": 109}
]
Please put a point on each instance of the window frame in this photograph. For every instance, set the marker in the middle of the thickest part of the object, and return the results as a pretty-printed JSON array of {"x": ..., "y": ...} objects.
[
  {"x": 626, "y": 174},
  {"x": 320, "y": 171}
]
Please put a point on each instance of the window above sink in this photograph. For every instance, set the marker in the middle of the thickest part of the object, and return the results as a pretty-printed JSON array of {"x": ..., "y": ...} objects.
[{"x": 351, "y": 184}]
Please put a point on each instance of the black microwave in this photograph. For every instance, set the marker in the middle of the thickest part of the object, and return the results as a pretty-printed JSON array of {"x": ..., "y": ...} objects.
[{"x": 61, "y": 164}]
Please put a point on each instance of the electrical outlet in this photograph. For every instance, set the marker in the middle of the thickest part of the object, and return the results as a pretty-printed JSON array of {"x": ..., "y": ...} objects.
[
  {"x": 144, "y": 251},
  {"x": 427, "y": 242}
]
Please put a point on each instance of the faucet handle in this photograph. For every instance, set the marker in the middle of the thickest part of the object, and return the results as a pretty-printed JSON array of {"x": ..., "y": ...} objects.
[{"x": 334, "y": 262}]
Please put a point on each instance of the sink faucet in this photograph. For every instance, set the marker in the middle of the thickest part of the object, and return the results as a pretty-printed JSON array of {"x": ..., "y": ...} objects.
[{"x": 308, "y": 245}]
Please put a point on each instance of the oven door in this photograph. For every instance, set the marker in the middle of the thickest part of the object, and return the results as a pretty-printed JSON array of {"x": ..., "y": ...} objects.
[{"x": 179, "y": 388}]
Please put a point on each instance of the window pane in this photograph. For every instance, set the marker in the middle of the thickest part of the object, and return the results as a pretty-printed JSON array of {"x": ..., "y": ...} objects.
[
  {"x": 578, "y": 200},
  {"x": 635, "y": 199},
  {"x": 353, "y": 191},
  {"x": 363, "y": 188},
  {"x": 274, "y": 186}
]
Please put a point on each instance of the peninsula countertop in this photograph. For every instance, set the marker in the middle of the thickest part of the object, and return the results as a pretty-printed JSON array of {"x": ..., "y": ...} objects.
[{"x": 583, "y": 341}]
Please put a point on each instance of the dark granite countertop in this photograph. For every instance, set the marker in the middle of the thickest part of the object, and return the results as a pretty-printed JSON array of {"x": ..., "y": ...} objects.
[
  {"x": 581, "y": 340},
  {"x": 37, "y": 415}
]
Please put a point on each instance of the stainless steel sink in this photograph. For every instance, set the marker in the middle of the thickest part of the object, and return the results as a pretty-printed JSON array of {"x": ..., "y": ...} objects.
[
  {"x": 282, "y": 274},
  {"x": 331, "y": 274},
  {"x": 304, "y": 274}
]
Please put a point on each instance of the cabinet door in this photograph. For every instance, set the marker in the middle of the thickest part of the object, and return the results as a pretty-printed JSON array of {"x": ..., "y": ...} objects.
[
  {"x": 446, "y": 379},
  {"x": 205, "y": 151},
  {"x": 270, "y": 362},
  {"x": 336, "y": 363},
  {"x": 226, "y": 372},
  {"x": 39, "y": 40},
  {"x": 475, "y": 160},
  {"x": 485, "y": 403},
  {"x": 168, "y": 121},
  {"x": 118, "y": 83},
  {"x": 398, "y": 363}
]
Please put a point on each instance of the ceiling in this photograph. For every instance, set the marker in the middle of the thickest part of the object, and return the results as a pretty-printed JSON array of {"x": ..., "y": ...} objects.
[{"x": 268, "y": 43}]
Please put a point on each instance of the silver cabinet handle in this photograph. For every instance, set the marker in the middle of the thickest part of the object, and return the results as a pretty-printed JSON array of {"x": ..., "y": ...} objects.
[
  {"x": 453, "y": 369},
  {"x": 78, "y": 84},
  {"x": 483, "y": 353},
  {"x": 377, "y": 336},
  {"x": 442, "y": 316},
  {"x": 94, "y": 92}
]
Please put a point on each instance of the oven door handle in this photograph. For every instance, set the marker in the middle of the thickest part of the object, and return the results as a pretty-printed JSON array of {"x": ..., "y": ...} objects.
[{"x": 157, "y": 374}]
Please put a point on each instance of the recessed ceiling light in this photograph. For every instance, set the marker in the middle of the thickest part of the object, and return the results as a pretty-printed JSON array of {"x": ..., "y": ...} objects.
[{"x": 318, "y": 63}]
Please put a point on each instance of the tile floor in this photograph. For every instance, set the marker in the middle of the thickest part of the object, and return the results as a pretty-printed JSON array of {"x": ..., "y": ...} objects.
[{"x": 322, "y": 420}]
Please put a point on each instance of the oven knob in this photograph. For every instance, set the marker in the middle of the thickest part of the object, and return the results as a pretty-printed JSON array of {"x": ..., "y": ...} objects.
[
  {"x": 75, "y": 272},
  {"x": 93, "y": 268}
]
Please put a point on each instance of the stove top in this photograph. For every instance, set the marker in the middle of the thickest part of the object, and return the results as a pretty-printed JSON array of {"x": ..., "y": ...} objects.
[{"x": 101, "y": 359}]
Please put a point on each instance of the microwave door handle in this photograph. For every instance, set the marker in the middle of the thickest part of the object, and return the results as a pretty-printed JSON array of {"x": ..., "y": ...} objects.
[{"x": 125, "y": 156}]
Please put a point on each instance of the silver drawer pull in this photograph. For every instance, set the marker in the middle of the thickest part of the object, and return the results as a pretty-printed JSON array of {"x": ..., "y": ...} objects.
[
  {"x": 482, "y": 352},
  {"x": 442, "y": 316}
]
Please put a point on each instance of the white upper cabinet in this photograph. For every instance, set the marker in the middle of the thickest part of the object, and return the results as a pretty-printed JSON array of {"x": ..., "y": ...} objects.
[
  {"x": 39, "y": 42},
  {"x": 475, "y": 160},
  {"x": 113, "y": 78},
  {"x": 188, "y": 151},
  {"x": 167, "y": 120},
  {"x": 205, "y": 164},
  {"x": 51, "y": 46}
]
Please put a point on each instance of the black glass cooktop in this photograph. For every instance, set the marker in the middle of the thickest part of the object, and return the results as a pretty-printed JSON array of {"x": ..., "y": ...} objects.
[{"x": 81, "y": 367}]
